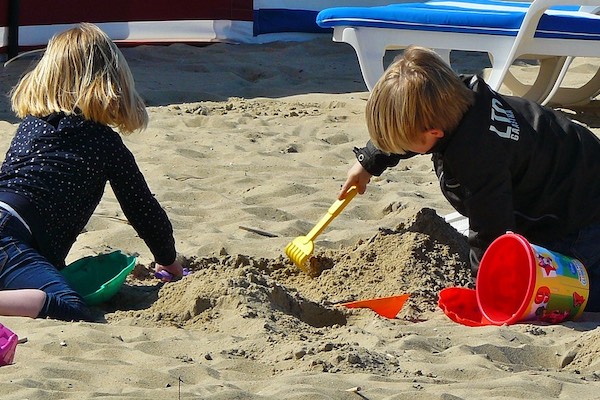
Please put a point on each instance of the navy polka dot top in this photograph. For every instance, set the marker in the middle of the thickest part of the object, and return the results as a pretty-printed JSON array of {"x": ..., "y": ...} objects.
[{"x": 54, "y": 175}]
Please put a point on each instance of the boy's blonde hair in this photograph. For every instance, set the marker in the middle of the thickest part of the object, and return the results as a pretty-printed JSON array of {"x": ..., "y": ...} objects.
[
  {"x": 82, "y": 72},
  {"x": 417, "y": 92}
]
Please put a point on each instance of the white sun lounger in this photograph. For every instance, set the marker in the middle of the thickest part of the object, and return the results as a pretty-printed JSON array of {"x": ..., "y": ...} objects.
[{"x": 506, "y": 30}]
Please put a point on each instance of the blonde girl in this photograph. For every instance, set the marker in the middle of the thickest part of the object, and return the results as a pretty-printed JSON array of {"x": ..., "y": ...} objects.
[{"x": 67, "y": 147}]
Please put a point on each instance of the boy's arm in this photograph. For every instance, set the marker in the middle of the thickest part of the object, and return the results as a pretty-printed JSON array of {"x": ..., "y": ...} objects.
[
  {"x": 491, "y": 214},
  {"x": 357, "y": 176},
  {"x": 370, "y": 161},
  {"x": 376, "y": 161}
]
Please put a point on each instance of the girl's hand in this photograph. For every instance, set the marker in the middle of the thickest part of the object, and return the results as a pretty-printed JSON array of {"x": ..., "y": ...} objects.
[
  {"x": 174, "y": 271},
  {"x": 356, "y": 176}
]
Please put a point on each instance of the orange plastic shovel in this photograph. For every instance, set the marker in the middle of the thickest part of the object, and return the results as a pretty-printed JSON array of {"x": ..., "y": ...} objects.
[{"x": 387, "y": 307}]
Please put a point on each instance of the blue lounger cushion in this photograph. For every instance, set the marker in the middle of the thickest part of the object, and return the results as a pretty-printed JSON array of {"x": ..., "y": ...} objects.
[{"x": 464, "y": 16}]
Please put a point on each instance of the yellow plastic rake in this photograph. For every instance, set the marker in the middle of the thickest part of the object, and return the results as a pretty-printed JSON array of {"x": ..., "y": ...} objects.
[{"x": 300, "y": 249}]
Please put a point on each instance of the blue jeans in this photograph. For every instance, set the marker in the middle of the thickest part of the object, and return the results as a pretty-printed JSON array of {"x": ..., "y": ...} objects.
[
  {"x": 22, "y": 267},
  {"x": 584, "y": 246}
]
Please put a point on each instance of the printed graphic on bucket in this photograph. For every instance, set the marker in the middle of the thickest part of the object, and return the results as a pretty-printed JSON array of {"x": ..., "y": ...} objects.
[{"x": 560, "y": 287}]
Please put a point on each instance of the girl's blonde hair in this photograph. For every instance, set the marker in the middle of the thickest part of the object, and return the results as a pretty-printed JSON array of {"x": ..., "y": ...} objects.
[
  {"x": 82, "y": 72},
  {"x": 417, "y": 92}
]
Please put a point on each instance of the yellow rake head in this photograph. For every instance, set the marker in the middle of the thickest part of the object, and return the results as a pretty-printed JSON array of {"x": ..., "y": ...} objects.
[{"x": 301, "y": 248}]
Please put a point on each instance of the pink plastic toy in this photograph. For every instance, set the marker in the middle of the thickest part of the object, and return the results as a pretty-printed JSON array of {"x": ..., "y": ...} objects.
[{"x": 8, "y": 345}]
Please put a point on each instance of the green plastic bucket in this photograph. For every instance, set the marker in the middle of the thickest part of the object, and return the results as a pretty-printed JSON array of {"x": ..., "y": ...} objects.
[{"x": 98, "y": 278}]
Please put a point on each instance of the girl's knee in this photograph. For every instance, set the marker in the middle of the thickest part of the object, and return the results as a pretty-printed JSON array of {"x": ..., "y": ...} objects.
[{"x": 65, "y": 307}]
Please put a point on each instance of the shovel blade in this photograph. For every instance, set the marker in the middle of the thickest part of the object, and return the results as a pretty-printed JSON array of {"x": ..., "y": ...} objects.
[{"x": 387, "y": 307}]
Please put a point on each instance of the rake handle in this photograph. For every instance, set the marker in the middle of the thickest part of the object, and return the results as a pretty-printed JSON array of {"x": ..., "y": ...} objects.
[{"x": 335, "y": 209}]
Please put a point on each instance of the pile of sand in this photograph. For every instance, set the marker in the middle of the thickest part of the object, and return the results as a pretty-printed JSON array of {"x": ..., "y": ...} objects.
[{"x": 420, "y": 257}]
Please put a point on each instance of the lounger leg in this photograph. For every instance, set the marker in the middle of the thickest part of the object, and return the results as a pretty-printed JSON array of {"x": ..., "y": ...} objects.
[
  {"x": 549, "y": 70},
  {"x": 548, "y": 76},
  {"x": 370, "y": 57},
  {"x": 576, "y": 95},
  {"x": 500, "y": 66},
  {"x": 559, "y": 79}
]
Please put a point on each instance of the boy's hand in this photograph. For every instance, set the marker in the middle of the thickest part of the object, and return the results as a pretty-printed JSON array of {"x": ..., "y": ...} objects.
[
  {"x": 175, "y": 270},
  {"x": 357, "y": 176}
]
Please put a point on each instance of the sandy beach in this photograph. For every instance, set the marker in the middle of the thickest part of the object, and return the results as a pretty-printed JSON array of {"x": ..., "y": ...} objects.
[{"x": 261, "y": 137}]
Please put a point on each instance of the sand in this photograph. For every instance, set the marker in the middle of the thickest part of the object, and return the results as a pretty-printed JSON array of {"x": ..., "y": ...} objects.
[{"x": 261, "y": 137}]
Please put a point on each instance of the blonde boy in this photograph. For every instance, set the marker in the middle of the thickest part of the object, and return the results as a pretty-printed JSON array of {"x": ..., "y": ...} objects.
[{"x": 504, "y": 162}]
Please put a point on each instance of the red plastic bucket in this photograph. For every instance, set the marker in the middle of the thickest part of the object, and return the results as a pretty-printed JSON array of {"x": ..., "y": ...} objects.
[{"x": 519, "y": 281}]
